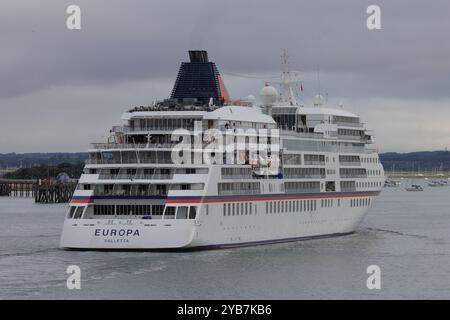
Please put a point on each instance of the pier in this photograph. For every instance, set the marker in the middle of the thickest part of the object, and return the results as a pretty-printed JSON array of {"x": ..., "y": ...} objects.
[
  {"x": 43, "y": 191},
  {"x": 57, "y": 193}
]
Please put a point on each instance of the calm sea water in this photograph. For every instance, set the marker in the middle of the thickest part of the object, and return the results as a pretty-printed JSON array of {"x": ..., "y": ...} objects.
[{"x": 407, "y": 234}]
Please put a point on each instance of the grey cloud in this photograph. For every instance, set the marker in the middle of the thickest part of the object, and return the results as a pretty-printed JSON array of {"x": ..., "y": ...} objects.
[{"x": 123, "y": 45}]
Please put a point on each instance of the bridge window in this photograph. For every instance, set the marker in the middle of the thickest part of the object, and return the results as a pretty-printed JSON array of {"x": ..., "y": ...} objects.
[
  {"x": 192, "y": 212},
  {"x": 71, "y": 212},
  {"x": 78, "y": 213},
  {"x": 182, "y": 212},
  {"x": 169, "y": 213}
]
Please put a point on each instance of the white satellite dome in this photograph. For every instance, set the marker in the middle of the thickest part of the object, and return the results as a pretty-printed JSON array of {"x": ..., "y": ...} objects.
[
  {"x": 250, "y": 98},
  {"x": 268, "y": 95}
]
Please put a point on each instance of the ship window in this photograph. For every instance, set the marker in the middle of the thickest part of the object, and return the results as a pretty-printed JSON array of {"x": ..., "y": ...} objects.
[
  {"x": 330, "y": 186},
  {"x": 246, "y": 208},
  {"x": 157, "y": 210},
  {"x": 224, "y": 209},
  {"x": 192, "y": 212},
  {"x": 169, "y": 213},
  {"x": 251, "y": 205},
  {"x": 229, "y": 209},
  {"x": 71, "y": 212},
  {"x": 270, "y": 207},
  {"x": 78, "y": 213},
  {"x": 182, "y": 212},
  {"x": 234, "y": 205}
]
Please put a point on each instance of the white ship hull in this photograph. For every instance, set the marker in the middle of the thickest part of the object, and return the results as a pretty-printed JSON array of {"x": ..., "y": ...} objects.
[{"x": 211, "y": 231}]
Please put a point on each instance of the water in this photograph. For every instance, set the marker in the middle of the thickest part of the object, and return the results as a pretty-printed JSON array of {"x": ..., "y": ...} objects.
[{"x": 406, "y": 234}]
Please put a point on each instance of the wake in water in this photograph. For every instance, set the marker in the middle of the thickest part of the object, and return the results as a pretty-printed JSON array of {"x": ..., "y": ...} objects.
[{"x": 399, "y": 233}]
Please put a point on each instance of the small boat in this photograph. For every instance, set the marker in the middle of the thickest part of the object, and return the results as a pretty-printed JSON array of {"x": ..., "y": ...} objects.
[
  {"x": 435, "y": 183},
  {"x": 391, "y": 183},
  {"x": 414, "y": 187}
]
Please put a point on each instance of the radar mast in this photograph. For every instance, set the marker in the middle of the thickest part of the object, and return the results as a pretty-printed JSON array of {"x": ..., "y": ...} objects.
[{"x": 289, "y": 79}]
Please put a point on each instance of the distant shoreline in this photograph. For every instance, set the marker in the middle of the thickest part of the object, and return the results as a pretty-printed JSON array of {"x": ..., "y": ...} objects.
[{"x": 398, "y": 164}]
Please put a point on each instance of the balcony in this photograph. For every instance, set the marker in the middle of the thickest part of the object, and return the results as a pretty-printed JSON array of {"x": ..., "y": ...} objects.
[
  {"x": 305, "y": 176},
  {"x": 134, "y": 192},
  {"x": 115, "y": 146},
  {"x": 130, "y": 161},
  {"x": 314, "y": 163},
  {"x": 350, "y": 124},
  {"x": 349, "y": 137},
  {"x": 352, "y": 176},
  {"x": 127, "y": 129},
  {"x": 135, "y": 176},
  {"x": 350, "y": 163}
]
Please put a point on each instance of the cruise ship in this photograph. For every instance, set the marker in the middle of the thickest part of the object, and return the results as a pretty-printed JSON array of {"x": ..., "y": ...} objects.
[{"x": 199, "y": 170}]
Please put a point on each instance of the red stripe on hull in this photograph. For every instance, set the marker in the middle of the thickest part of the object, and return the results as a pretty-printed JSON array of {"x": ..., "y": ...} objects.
[
  {"x": 81, "y": 201},
  {"x": 270, "y": 198}
]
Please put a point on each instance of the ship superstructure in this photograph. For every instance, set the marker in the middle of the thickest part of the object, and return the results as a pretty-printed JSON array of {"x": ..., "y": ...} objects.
[{"x": 201, "y": 171}]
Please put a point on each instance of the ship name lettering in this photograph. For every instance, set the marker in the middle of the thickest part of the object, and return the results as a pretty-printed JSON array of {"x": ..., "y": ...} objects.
[{"x": 116, "y": 232}]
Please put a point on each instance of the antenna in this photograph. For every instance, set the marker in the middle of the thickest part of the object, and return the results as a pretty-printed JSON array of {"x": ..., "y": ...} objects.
[
  {"x": 288, "y": 78},
  {"x": 318, "y": 80}
]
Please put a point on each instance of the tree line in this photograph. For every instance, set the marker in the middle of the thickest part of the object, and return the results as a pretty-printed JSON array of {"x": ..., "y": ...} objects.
[{"x": 45, "y": 171}]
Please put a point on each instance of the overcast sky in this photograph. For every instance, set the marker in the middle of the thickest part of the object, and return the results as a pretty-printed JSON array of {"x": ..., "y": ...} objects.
[{"x": 61, "y": 89}]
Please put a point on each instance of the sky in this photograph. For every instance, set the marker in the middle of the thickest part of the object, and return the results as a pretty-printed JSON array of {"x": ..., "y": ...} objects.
[{"x": 62, "y": 89}]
